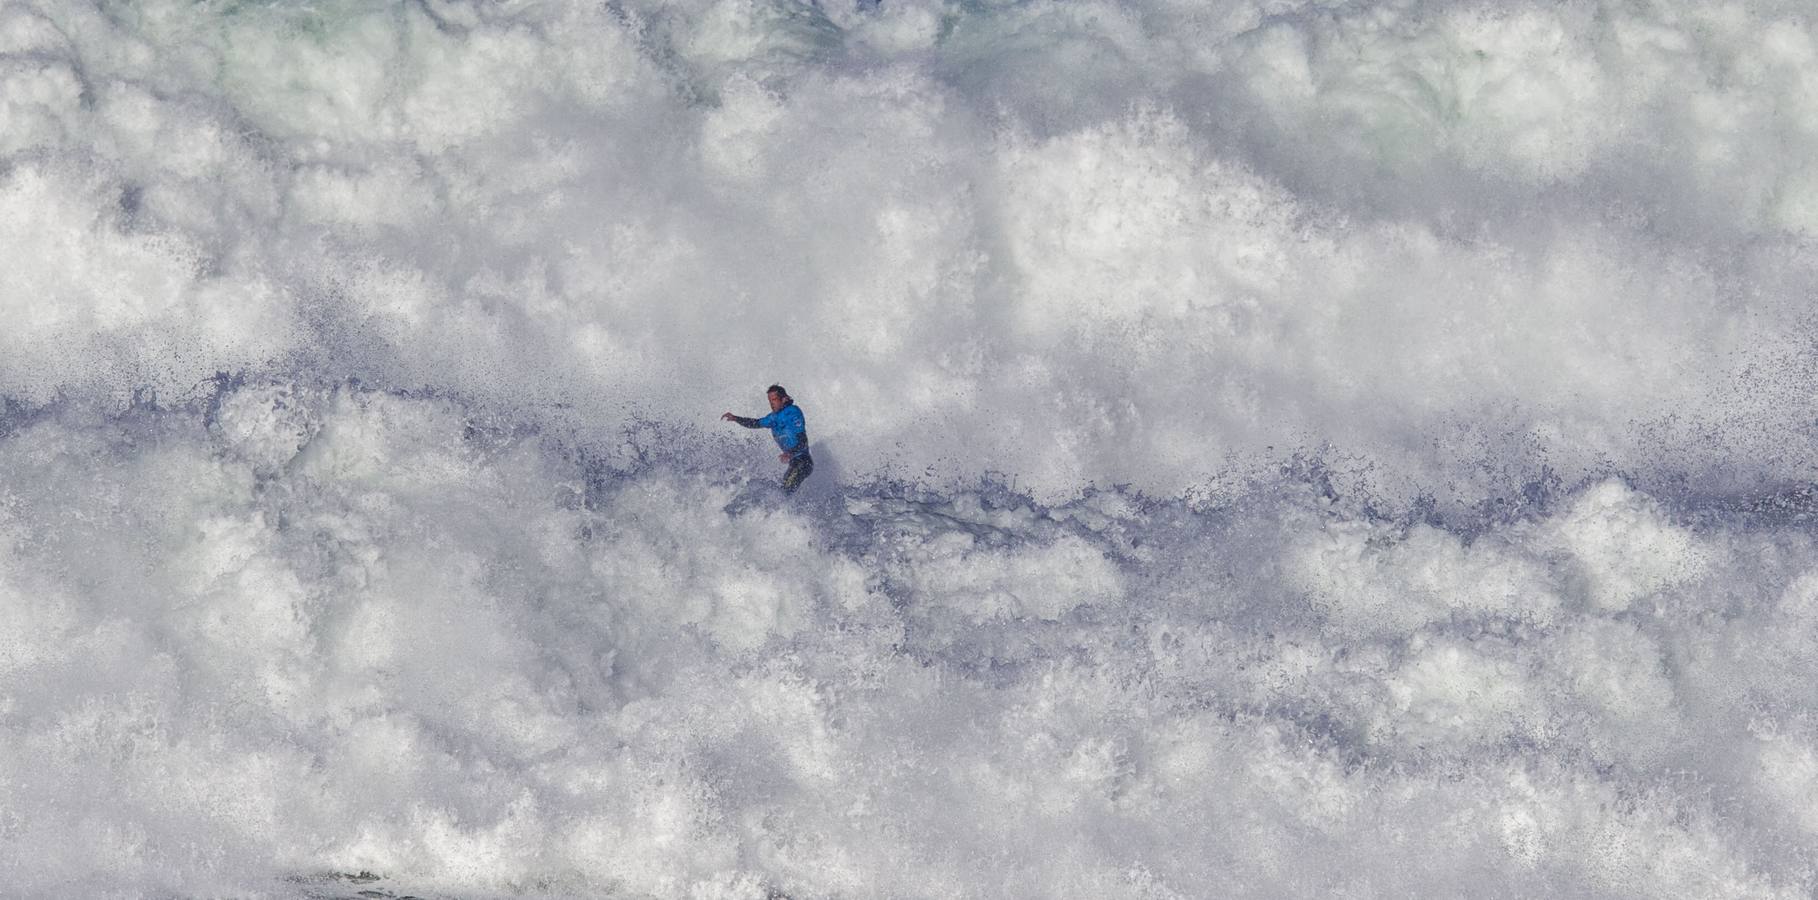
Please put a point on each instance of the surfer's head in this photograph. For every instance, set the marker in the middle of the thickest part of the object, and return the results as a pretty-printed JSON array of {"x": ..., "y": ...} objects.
[{"x": 779, "y": 397}]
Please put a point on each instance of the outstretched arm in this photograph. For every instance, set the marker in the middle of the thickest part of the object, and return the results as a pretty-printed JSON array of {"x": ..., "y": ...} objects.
[{"x": 748, "y": 423}]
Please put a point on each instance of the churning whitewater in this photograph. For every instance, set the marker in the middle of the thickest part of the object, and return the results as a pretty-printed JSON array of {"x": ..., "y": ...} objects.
[{"x": 1264, "y": 449}]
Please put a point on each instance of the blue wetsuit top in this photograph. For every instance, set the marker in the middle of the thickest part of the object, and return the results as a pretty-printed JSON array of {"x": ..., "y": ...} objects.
[{"x": 787, "y": 426}]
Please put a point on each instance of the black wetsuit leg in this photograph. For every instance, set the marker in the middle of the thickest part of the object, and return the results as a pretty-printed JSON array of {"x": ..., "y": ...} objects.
[{"x": 799, "y": 469}]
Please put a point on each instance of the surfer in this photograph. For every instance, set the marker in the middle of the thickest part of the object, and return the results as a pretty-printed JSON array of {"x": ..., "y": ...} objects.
[{"x": 791, "y": 433}]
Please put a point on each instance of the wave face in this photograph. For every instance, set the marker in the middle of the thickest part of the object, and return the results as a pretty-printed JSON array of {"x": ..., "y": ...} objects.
[{"x": 1266, "y": 449}]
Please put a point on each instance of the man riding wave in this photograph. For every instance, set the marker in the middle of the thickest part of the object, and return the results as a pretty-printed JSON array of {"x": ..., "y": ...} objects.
[{"x": 790, "y": 431}]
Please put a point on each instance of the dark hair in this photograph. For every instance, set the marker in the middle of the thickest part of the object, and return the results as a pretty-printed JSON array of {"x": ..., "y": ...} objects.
[{"x": 777, "y": 389}]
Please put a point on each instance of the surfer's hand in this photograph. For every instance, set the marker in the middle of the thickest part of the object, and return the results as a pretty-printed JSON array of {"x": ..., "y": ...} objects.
[
  {"x": 727, "y": 417},
  {"x": 782, "y": 457}
]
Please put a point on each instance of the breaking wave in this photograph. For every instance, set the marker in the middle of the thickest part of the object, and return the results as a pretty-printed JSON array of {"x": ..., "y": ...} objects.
[{"x": 1263, "y": 449}]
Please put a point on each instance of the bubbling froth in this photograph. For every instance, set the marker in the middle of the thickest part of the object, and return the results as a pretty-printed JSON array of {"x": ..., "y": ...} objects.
[
  {"x": 307, "y": 630},
  {"x": 1245, "y": 430}
]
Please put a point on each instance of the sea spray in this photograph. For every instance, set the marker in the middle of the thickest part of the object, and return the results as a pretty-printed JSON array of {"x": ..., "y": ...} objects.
[{"x": 1263, "y": 449}]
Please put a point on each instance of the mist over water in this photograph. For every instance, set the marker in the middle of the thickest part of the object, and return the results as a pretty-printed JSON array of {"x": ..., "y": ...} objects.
[{"x": 1263, "y": 449}]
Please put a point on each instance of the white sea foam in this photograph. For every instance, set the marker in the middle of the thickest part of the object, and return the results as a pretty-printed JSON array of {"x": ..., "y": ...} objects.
[
  {"x": 346, "y": 631},
  {"x": 1265, "y": 449}
]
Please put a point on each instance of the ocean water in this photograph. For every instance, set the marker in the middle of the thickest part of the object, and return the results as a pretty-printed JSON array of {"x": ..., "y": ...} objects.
[{"x": 1265, "y": 449}]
